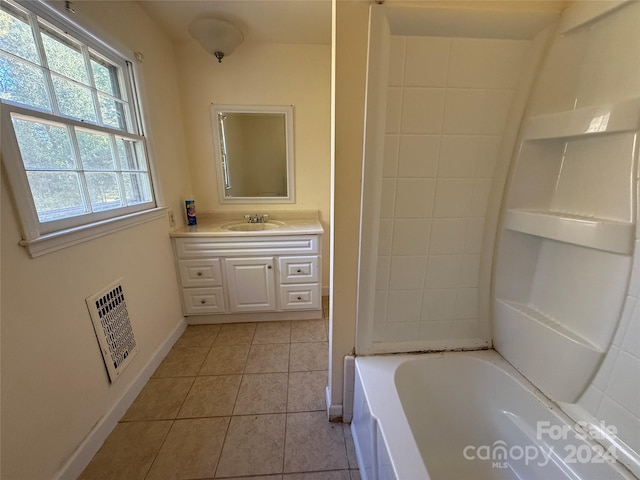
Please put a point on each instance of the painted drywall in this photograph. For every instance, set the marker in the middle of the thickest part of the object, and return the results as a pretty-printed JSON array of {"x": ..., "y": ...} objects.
[
  {"x": 55, "y": 387},
  {"x": 261, "y": 74}
]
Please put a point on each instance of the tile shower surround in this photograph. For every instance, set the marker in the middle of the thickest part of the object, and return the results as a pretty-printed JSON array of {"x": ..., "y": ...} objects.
[
  {"x": 233, "y": 401},
  {"x": 447, "y": 104}
]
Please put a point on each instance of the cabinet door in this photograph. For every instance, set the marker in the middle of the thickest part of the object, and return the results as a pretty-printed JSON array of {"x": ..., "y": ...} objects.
[{"x": 251, "y": 284}]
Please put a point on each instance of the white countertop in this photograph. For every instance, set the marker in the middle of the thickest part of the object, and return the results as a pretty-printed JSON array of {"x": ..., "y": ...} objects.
[{"x": 296, "y": 222}]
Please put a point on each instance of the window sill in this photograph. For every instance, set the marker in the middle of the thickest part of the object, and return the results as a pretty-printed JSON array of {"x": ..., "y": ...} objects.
[{"x": 66, "y": 238}]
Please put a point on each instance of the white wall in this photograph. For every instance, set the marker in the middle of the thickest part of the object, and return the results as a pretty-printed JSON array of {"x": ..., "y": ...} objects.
[
  {"x": 261, "y": 74},
  {"x": 55, "y": 389}
]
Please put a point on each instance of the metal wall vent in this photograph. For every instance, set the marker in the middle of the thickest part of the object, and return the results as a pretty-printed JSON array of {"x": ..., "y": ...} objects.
[{"x": 112, "y": 325}]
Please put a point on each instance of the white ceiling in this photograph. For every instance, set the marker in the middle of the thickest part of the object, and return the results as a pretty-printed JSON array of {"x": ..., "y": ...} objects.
[{"x": 263, "y": 21}]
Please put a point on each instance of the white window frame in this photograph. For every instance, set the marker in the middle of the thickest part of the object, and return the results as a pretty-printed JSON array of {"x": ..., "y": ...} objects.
[{"x": 44, "y": 237}]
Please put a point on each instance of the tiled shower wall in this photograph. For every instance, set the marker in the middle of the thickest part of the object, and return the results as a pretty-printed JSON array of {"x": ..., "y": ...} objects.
[{"x": 447, "y": 104}]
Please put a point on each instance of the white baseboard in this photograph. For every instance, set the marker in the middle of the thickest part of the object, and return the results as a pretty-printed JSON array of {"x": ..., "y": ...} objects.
[
  {"x": 334, "y": 412},
  {"x": 94, "y": 440}
]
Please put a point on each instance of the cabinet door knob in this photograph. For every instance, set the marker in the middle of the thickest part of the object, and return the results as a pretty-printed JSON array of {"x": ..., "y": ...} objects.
[
  {"x": 269, "y": 267},
  {"x": 203, "y": 301},
  {"x": 199, "y": 274}
]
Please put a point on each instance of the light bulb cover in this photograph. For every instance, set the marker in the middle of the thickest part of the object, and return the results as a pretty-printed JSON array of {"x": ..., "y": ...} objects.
[{"x": 216, "y": 35}]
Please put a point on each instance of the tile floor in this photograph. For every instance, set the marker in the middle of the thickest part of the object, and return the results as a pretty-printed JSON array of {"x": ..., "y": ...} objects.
[{"x": 242, "y": 401}]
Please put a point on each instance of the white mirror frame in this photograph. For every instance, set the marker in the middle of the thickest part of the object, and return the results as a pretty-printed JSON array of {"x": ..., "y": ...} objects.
[{"x": 287, "y": 110}]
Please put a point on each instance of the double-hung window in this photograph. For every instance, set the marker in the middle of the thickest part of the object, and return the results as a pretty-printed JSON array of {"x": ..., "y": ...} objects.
[{"x": 72, "y": 142}]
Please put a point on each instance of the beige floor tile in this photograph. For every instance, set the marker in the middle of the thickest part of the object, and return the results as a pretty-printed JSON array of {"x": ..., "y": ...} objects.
[
  {"x": 268, "y": 358},
  {"x": 273, "y": 332},
  {"x": 160, "y": 399},
  {"x": 182, "y": 362},
  {"x": 260, "y": 477},
  {"x": 128, "y": 452},
  {"x": 308, "y": 356},
  {"x": 308, "y": 331},
  {"x": 211, "y": 396},
  {"x": 254, "y": 446},
  {"x": 351, "y": 448},
  {"x": 330, "y": 475},
  {"x": 325, "y": 307},
  {"x": 313, "y": 443},
  {"x": 306, "y": 391},
  {"x": 198, "y": 336},
  {"x": 262, "y": 393},
  {"x": 225, "y": 360},
  {"x": 235, "y": 334},
  {"x": 191, "y": 450}
]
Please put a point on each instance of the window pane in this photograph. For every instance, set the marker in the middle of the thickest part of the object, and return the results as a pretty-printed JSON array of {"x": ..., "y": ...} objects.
[
  {"x": 112, "y": 113},
  {"x": 74, "y": 100},
  {"x": 95, "y": 151},
  {"x": 106, "y": 77},
  {"x": 44, "y": 146},
  {"x": 131, "y": 154},
  {"x": 64, "y": 58},
  {"x": 56, "y": 195},
  {"x": 23, "y": 83},
  {"x": 103, "y": 191},
  {"x": 16, "y": 37},
  {"x": 137, "y": 188}
]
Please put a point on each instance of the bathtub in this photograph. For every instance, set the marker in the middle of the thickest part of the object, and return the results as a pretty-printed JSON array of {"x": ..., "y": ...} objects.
[{"x": 466, "y": 416}]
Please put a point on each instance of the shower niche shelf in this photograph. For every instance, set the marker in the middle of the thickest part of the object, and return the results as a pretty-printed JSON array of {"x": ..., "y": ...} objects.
[
  {"x": 566, "y": 242},
  {"x": 600, "y": 233}
]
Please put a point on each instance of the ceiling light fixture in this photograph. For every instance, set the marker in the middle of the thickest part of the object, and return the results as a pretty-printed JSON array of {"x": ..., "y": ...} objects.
[{"x": 218, "y": 37}]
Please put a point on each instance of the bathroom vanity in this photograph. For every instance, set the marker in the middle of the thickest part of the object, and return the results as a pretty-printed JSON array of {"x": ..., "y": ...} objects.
[{"x": 234, "y": 270}]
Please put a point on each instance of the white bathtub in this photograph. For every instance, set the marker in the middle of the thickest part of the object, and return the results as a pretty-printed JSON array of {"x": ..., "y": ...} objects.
[{"x": 465, "y": 416}]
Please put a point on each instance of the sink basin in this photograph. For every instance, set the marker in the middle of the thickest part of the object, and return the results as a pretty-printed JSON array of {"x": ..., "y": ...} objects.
[{"x": 253, "y": 227}]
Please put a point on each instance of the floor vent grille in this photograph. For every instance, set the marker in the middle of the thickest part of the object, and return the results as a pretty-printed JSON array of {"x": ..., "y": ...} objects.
[{"x": 112, "y": 325}]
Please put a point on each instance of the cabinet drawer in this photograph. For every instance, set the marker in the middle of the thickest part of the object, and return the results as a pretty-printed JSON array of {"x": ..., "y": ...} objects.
[
  {"x": 206, "y": 272},
  {"x": 300, "y": 297},
  {"x": 246, "y": 245},
  {"x": 203, "y": 300},
  {"x": 298, "y": 269}
]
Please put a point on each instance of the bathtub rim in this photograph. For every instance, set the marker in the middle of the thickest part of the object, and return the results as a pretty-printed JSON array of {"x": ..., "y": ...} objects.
[{"x": 380, "y": 397}]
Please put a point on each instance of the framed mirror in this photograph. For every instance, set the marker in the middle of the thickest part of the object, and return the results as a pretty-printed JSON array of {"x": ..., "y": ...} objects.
[{"x": 254, "y": 153}]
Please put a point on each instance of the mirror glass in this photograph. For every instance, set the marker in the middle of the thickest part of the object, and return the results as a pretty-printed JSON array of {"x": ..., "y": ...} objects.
[{"x": 254, "y": 153}]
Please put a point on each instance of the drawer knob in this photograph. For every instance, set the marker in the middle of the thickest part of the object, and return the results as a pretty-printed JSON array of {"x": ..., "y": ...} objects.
[
  {"x": 203, "y": 301},
  {"x": 269, "y": 267},
  {"x": 199, "y": 274},
  {"x": 299, "y": 298},
  {"x": 298, "y": 271}
]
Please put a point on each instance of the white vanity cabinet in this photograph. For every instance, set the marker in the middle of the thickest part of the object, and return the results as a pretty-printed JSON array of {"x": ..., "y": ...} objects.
[{"x": 245, "y": 277}]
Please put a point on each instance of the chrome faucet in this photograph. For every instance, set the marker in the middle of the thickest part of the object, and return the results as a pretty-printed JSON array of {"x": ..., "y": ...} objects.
[{"x": 257, "y": 218}]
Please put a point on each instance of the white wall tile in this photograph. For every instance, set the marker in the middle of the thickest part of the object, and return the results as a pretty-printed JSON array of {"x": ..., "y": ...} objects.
[
  {"x": 475, "y": 231},
  {"x": 396, "y": 60},
  {"x": 458, "y": 156},
  {"x": 407, "y": 272},
  {"x": 380, "y": 314},
  {"x": 468, "y": 328},
  {"x": 398, "y": 332},
  {"x": 621, "y": 386},
  {"x": 394, "y": 110},
  {"x": 469, "y": 271},
  {"x": 426, "y": 61},
  {"x": 443, "y": 271},
  {"x": 447, "y": 235},
  {"x": 627, "y": 425},
  {"x": 480, "y": 198},
  {"x": 385, "y": 236},
  {"x": 434, "y": 330},
  {"x": 496, "y": 111},
  {"x": 404, "y": 306},
  {"x": 390, "y": 161},
  {"x": 414, "y": 198},
  {"x": 438, "y": 304},
  {"x": 632, "y": 338},
  {"x": 453, "y": 197},
  {"x": 388, "y": 198},
  {"x": 469, "y": 63},
  {"x": 422, "y": 110},
  {"x": 418, "y": 156},
  {"x": 411, "y": 236},
  {"x": 382, "y": 272},
  {"x": 466, "y": 303},
  {"x": 464, "y": 112},
  {"x": 487, "y": 155}
]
